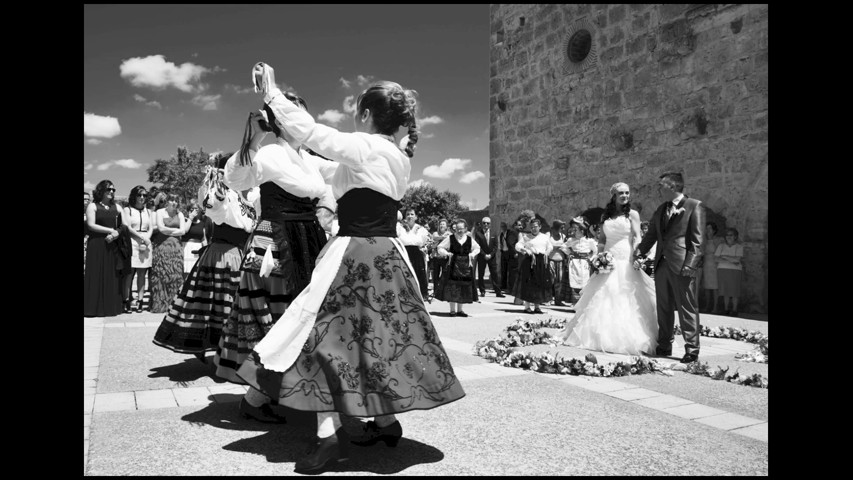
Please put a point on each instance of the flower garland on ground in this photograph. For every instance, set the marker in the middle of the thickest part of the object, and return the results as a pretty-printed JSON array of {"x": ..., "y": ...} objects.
[
  {"x": 523, "y": 333},
  {"x": 759, "y": 355}
]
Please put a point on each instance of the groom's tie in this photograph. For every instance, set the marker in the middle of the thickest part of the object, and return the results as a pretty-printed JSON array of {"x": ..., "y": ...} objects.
[{"x": 670, "y": 207}]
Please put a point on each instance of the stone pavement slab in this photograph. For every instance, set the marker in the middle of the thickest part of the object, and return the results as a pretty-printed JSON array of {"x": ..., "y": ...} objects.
[
  {"x": 758, "y": 432},
  {"x": 729, "y": 421},
  {"x": 693, "y": 411}
]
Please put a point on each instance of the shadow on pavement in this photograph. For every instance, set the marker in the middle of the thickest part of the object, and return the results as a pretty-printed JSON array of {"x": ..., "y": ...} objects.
[
  {"x": 187, "y": 371},
  {"x": 287, "y": 443}
]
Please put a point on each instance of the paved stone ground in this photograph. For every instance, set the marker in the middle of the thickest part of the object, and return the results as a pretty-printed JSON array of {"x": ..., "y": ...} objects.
[{"x": 149, "y": 411}]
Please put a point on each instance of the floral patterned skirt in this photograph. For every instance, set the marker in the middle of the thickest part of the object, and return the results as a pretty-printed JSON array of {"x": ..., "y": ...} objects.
[
  {"x": 167, "y": 273},
  {"x": 195, "y": 318},
  {"x": 373, "y": 349}
]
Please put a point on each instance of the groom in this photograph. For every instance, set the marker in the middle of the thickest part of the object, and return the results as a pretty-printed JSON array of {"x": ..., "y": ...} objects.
[{"x": 677, "y": 226}]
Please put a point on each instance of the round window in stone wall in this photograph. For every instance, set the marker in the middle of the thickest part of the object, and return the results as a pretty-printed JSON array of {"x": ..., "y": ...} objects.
[{"x": 579, "y": 51}]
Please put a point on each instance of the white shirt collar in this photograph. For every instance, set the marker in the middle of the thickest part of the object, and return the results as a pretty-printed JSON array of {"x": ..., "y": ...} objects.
[{"x": 677, "y": 199}]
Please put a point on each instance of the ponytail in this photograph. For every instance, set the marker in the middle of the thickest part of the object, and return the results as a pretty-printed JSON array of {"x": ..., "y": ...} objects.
[
  {"x": 413, "y": 139},
  {"x": 248, "y": 133}
]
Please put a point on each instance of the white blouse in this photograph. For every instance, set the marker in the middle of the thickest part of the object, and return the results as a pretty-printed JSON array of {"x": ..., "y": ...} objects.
[
  {"x": 278, "y": 163},
  {"x": 444, "y": 246},
  {"x": 735, "y": 250},
  {"x": 361, "y": 160},
  {"x": 527, "y": 243},
  {"x": 581, "y": 245},
  {"x": 418, "y": 236},
  {"x": 229, "y": 211}
]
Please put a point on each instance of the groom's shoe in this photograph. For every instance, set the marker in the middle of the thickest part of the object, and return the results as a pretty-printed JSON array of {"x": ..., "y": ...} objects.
[
  {"x": 689, "y": 358},
  {"x": 663, "y": 353}
]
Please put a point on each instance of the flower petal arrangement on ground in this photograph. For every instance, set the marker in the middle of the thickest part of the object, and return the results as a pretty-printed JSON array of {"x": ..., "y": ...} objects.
[{"x": 523, "y": 333}]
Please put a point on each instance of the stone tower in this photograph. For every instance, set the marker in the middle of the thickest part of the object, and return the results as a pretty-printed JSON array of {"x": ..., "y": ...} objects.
[{"x": 583, "y": 96}]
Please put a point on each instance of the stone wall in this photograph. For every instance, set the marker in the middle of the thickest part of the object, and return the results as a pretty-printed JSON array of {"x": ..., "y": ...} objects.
[{"x": 665, "y": 88}]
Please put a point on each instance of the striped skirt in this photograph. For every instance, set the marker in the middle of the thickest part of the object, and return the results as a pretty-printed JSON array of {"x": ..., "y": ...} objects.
[
  {"x": 260, "y": 301},
  {"x": 195, "y": 318}
]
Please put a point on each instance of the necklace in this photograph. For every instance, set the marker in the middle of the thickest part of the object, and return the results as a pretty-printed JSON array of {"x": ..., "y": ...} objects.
[{"x": 103, "y": 205}]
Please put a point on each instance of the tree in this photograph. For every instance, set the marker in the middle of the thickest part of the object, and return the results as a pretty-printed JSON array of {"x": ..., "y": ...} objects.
[
  {"x": 430, "y": 204},
  {"x": 182, "y": 174}
]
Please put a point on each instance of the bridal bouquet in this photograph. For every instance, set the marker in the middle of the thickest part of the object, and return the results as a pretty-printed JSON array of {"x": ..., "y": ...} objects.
[{"x": 603, "y": 262}]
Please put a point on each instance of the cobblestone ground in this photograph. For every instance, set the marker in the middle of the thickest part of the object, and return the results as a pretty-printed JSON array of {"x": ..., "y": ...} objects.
[{"x": 149, "y": 411}]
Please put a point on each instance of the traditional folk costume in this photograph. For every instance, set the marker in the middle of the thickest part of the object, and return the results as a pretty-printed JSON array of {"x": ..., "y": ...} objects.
[
  {"x": 439, "y": 263},
  {"x": 281, "y": 253},
  {"x": 534, "y": 277},
  {"x": 457, "y": 282},
  {"x": 558, "y": 265},
  {"x": 196, "y": 316},
  {"x": 358, "y": 340}
]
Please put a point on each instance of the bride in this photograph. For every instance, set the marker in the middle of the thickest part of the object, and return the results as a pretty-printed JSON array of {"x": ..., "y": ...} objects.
[{"x": 616, "y": 312}]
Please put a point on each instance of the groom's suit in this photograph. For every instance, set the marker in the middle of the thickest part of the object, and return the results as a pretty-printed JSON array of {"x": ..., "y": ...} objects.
[{"x": 677, "y": 259}]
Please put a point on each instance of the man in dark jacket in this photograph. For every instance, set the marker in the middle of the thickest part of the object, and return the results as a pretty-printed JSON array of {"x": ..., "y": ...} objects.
[{"x": 488, "y": 241}]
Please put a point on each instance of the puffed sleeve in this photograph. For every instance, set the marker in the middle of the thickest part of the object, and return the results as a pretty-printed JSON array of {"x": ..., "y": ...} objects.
[
  {"x": 243, "y": 177},
  {"x": 444, "y": 246},
  {"x": 347, "y": 148},
  {"x": 475, "y": 248}
]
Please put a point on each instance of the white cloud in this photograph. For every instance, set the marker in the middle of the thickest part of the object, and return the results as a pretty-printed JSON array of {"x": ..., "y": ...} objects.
[
  {"x": 472, "y": 177},
  {"x": 425, "y": 135},
  {"x": 155, "y": 72},
  {"x": 88, "y": 166},
  {"x": 126, "y": 163},
  {"x": 363, "y": 81},
  {"x": 331, "y": 116},
  {"x": 418, "y": 183},
  {"x": 239, "y": 89},
  {"x": 88, "y": 186},
  {"x": 349, "y": 104},
  {"x": 346, "y": 83},
  {"x": 433, "y": 120},
  {"x": 207, "y": 102},
  {"x": 447, "y": 168},
  {"x": 93, "y": 141},
  {"x": 153, "y": 103},
  {"x": 100, "y": 126}
]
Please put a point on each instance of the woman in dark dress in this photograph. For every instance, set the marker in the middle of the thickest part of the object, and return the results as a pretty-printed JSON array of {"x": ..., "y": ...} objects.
[
  {"x": 456, "y": 285},
  {"x": 358, "y": 340},
  {"x": 534, "y": 277},
  {"x": 102, "y": 295}
]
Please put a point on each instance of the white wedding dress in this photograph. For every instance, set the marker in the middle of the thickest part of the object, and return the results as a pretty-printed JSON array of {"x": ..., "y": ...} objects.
[{"x": 617, "y": 311}]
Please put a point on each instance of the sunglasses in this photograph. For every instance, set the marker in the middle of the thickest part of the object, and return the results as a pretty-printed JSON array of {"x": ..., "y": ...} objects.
[{"x": 111, "y": 189}]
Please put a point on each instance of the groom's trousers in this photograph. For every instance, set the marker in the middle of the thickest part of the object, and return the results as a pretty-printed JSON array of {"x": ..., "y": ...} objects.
[{"x": 675, "y": 292}]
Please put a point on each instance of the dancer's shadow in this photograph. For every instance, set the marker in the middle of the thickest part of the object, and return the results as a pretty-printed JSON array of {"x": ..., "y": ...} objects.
[
  {"x": 287, "y": 443},
  {"x": 290, "y": 444},
  {"x": 187, "y": 371}
]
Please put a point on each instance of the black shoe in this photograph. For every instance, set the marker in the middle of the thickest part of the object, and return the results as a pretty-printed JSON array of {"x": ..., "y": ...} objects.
[
  {"x": 689, "y": 358},
  {"x": 324, "y": 453},
  {"x": 373, "y": 433},
  {"x": 201, "y": 357},
  {"x": 527, "y": 310},
  {"x": 263, "y": 413},
  {"x": 139, "y": 306},
  {"x": 461, "y": 314},
  {"x": 663, "y": 353},
  {"x": 559, "y": 304},
  {"x": 500, "y": 295},
  {"x": 482, "y": 293},
  {"x": 453, "y": 314},
  {"x": 127, "y": 308},
  {"x": 537, "y": 310}
]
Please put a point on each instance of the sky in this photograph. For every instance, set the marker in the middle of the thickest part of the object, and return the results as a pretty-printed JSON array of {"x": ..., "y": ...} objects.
[{"x": 157, "y": 77}]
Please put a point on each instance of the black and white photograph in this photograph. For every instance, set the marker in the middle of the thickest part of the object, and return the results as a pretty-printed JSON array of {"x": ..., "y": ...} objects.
[{"x": 425, "y": 240}]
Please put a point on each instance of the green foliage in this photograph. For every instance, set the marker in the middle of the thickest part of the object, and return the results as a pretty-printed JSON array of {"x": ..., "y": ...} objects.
[
  {"x": 430, "y": 204},
  {"x": 182, "y": 174}
]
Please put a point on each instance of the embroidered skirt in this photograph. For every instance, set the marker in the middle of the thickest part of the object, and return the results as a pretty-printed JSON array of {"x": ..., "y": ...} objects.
[
  {"x": 372, "y": 350},
  {"x": 195, "y": 318}
]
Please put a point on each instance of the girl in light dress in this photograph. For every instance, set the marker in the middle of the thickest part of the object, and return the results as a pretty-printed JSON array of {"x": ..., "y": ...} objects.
[
  {"x": 579, "y": 248},
  {"x": 140, "y": 225},
  {"x": 557, "y": 261},
  {"x": 617, "y": 310}
]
